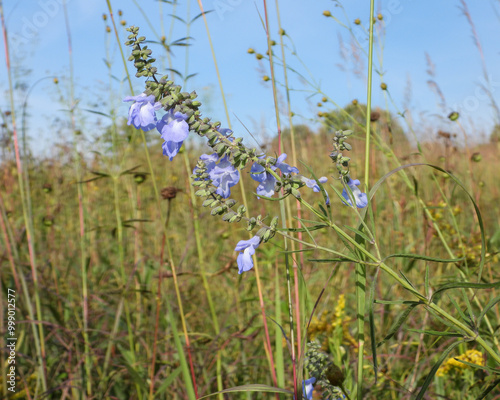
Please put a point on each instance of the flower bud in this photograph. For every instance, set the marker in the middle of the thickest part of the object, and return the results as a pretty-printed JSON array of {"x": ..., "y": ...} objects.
[
  {"x": 250, "y": 51},
  {"x": 383, "y": 86},
  {"x": 357, "y": 21},
  {"x": 327, "y": 13},
  {"x": 380, "y": 17},
  {"x": 259, "y": 56},
  {"x": 453, "y": 116},
  {"x": 355, "y": 102}
]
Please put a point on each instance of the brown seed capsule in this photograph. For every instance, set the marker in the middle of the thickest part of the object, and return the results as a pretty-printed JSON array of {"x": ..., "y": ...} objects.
[
  {"x": 120, "y": 13},
  {"x": 169, "y": 192},
  {"x": 374, "y": 116},
  {"x": 123, "y": 22},
  {"x": 104, "y": 17},
  {"x": 444, "y": 134},
  {"x": 335, "y": 375},
  {"x": 108, "y": 29},
  {"x": 56, "y": 81}
]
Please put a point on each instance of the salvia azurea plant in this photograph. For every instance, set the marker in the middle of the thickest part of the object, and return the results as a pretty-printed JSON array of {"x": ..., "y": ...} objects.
[{"x": 175, "y": 114}]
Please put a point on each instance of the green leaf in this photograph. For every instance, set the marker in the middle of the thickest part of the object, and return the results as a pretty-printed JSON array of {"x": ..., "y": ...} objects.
[
  {"x": 466, "y": 285},
  {"x": 487, "y": 308},
  {"x": 251, "y": 388},
  {"x": 371, "y": 320},
  {"x": 97, "y": 112},
  {"x": 436, "y": 333},
  {"x": 488, "y": 389},
  {"x": 359, "y": 233},
  {"x": 399, "y": 321},
  {"x": 168, "y": 381},
  {"x": 434, "y": 369},
  {"x": 426, "y": 258},
  {"x": 476, "y": 366}
]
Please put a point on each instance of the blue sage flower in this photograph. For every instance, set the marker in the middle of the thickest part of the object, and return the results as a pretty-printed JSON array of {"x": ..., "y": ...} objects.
[
  {"x": 308, "y": 388},
  {"x": 266, "y": 180},
  {"x": 174, "y": 130},
  {"x": 360, "y": 197},
  {"x": 142, "y": 114},
  {"x": 223, "y": 174},
  {"x": 311, "y": 183},
  {"x": 247, "y": 250}
]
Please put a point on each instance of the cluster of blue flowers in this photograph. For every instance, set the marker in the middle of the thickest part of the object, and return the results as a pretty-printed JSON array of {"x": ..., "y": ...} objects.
[
  {"x": 174, "y": 130},
  {"x": 172, "y": 126}
]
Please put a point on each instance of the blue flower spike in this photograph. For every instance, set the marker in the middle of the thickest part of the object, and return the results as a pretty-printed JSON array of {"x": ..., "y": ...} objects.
[
  {"x": 360, "y": 198},
  {"x": 312, "y": 184},
  {"x": 174, "y": 130},
  {"x": 247, "y": 250},
  {"x": 266, "y": 180},
  {"x": 222, "y": 174},
  {"x": 308, "y": 388},
  {"x": 142, "y": 114}
]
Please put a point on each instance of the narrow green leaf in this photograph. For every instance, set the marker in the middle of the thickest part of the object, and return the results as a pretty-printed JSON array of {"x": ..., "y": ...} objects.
[
  {"x": 434, "y": 369},
  {"x": 426, "y": 258},
  {"x": 488, "y": 389},
  {"x": 251, "y": 388},
  {"x": 359, "y": 233},
  {"x": 476, "y": 366},
  {"x": 168, "y": 381},
  {"x": 487, "y": 308},
  {"x": 436, "y": 333},
  {"x": 402, "y": 317},
  {"x": 466, "y": 285},
  {"x": 371, "y": 320}
]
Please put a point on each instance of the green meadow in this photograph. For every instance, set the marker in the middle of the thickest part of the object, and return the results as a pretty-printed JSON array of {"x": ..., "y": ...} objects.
[{"x": 119, "y": 275}]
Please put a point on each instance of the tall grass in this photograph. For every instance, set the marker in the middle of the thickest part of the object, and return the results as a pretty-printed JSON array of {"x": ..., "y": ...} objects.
[{"x": 387, "y": 295}]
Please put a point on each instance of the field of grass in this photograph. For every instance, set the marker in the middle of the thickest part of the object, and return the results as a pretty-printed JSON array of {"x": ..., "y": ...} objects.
[{"x": 124, "y": 286}]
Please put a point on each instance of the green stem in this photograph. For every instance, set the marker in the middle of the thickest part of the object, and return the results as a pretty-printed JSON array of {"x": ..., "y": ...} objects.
[{"x": 28, "y": 219}]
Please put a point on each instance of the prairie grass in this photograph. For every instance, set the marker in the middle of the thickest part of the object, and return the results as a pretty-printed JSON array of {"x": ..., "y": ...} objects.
[{"x": 128, "y": 289}]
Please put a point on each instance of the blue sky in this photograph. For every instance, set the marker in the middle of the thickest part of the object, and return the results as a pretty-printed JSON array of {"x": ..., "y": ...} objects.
[{"x": 412, "y": 29}]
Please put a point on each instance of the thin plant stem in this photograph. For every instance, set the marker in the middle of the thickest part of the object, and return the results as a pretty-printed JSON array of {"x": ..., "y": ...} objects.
[
  {"x": 283, "y": 213},
  {"x": 159, "y": 209},
  {"x": 83, "y": 250},
  {"x": 245, "y": 203},
  {"x": 40, "y": 337}
]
